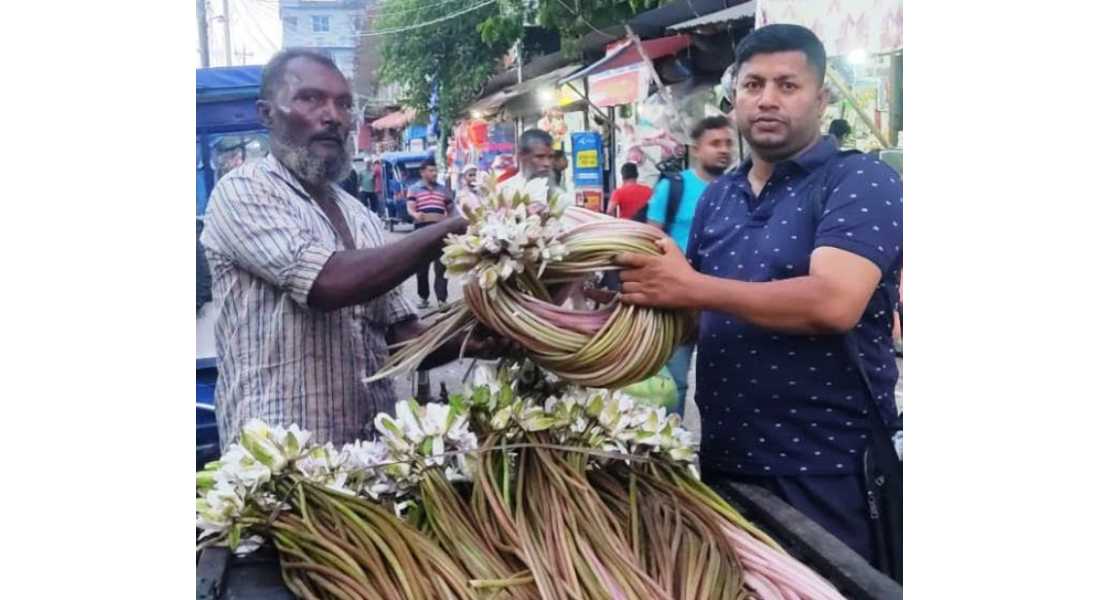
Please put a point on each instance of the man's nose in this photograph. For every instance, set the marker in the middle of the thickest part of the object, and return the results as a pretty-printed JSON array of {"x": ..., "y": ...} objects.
[
  {"x": 331, "y": 113},
  {"x": 769, "y": 97}
]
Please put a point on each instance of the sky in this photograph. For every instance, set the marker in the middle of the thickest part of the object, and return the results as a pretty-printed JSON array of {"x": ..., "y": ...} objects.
[{"x": 255, "y": 31}]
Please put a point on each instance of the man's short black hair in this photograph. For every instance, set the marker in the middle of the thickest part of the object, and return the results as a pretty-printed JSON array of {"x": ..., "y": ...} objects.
[
  {"x": 839, "y": 129},
  {"x": 273, "y": 71},
  {"x": 427, "y": 163},
  {"x": 629, "y": 171},
  {"x": 783, "y": 37},
  {"x": 531, "y": 137},
  {"x": 707, "y": 123}
]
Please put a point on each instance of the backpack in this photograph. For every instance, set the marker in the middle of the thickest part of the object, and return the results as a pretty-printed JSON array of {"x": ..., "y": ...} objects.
[{"x": 675, "y": 195}]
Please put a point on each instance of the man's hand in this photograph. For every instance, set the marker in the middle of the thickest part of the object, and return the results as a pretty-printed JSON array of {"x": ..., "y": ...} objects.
[
  {"x": 665, "y": 281},
  {"x": 487, "y": 345}
]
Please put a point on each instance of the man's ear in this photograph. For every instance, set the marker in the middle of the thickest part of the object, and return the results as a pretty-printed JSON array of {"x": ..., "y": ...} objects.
[{"x": 263, "y": 109}]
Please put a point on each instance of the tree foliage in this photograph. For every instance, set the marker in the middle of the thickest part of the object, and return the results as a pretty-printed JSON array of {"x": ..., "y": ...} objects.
[
  {"x": 572, "y": 19},
  {"x": 462, "y": 53},
  {"x": 450, "y": 52}
]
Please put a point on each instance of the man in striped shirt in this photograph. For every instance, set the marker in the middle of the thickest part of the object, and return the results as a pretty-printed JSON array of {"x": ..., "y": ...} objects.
[
  {"x": 306, "y": 291},
  {"x": 429, "y": 203}
]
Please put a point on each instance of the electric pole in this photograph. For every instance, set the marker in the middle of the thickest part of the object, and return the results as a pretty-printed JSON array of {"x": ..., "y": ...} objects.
[
  {"x": 204, "y": 45},
  {"x": 225, "y": 22}
]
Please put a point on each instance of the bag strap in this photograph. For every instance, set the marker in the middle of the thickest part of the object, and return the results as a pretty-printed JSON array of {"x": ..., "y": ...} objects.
[
  {"x": 881, "y": 439},
  {"x": 881, "y": 436},
  {"x": 675, "y": 195}
]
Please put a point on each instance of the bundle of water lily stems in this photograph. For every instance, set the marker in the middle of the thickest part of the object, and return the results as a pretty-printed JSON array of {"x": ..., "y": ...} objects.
[
  {"x": 519, "y": 256},
  {"x": 522, "y": 487}
]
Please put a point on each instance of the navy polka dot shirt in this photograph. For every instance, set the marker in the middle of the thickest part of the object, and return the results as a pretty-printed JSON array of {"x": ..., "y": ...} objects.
[{"x": 778, "y": 404}]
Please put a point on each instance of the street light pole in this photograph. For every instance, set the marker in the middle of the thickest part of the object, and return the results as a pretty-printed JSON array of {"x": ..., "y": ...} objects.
[
  {"x": 225, "y": 22},
  {"x": 204, "y": 44}
]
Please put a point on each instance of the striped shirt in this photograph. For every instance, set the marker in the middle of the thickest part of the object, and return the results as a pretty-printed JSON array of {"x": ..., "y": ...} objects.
[
  {"x": 434, "y": 199},
  {"x": 279, "y": 360}
]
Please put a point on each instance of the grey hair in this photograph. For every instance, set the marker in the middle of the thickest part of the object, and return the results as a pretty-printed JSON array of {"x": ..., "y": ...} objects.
[{"x": 273, "y": 71}]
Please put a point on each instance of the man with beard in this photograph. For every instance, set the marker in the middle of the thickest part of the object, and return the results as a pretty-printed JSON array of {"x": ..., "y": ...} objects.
[
  {"x": 711, "y": 153},
  {"x": 307, "y": 291},
  {"x": 536, "y": 164},
  {"x": 796, "y": 257}
]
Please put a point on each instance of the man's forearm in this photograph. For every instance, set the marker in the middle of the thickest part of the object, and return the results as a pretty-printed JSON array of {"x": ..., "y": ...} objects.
[
  {"x": 356, "y": 276},
  {"x": 800, "y": 305}
]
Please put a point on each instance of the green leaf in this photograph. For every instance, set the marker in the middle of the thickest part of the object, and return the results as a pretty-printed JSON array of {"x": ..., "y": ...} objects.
[{"x": 234, "y": 536}]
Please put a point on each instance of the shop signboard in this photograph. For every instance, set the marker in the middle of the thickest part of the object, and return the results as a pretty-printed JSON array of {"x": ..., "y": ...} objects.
[
  {"x": 624, "y": 85},
  {"x": 587, "y": 166}
]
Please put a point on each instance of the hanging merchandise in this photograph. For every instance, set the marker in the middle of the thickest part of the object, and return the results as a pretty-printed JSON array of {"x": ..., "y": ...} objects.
[
  {"x": 553, "y": 122},
  {"x": 865, "y": 26}
]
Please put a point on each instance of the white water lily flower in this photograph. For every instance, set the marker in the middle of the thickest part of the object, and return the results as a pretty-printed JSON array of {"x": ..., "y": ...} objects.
[
  {"x": 320, "y": 463},
  {"x": 488, "y": 275},
  {"x": 433, "y": 419},
  {"x": 502, "y": 418},
  {"x": 219, "y": 508},
  {"x": 533, "y": 418},
  {"x": 239, "y": 468},
  {"x": 256, "y": 438},
  {"x": 487, "y": 377},
  {"x": 364, "y": 455}
]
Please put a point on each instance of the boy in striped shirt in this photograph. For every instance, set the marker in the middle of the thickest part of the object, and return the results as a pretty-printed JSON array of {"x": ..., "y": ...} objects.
[{"x": 429, "y": 202}]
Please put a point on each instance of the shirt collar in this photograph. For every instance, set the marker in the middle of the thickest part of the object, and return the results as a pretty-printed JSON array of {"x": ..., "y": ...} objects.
[{"x": 814, "y": 156}]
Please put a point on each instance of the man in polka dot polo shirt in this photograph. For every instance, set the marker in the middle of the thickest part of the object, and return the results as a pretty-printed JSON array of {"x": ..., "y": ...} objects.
[{"x": 793, "y": 250}]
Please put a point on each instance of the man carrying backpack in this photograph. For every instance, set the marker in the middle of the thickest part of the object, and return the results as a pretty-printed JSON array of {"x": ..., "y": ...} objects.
[{"x": 672, "y": 208}]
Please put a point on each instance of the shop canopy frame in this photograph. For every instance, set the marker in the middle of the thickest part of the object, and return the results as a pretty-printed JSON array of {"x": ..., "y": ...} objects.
[{"x": 628, "y": 54}]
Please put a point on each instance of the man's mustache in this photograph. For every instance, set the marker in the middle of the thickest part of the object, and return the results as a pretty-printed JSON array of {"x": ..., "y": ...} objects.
[{"x": 333, "y": 136}]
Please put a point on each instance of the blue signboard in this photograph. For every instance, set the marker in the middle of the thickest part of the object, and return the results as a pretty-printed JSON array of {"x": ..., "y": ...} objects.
[{"x": 587, "y": 160}]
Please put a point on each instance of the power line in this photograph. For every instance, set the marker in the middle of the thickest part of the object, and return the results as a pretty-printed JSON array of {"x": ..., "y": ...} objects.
[
  {"x": 380, "y": 9},
  {"x": 253, "y": 24},
  {"x": 590, "y": 26},
  {"x": 426, "y": 23}
]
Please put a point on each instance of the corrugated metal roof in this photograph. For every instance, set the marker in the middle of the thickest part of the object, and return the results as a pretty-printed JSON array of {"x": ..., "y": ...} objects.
[{"x": 747, "y": 9}]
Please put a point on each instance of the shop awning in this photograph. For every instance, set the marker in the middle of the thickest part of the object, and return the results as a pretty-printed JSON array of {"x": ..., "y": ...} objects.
[
  {"x": 628, "y": 54},
  {"x": 491, "y": 104},
  {"x": 394, "y": 120},
  {"x": 745, "y": 9}
]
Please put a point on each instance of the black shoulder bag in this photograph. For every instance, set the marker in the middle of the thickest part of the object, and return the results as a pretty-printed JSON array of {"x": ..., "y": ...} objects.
[
  {"x": 675, "y": 195},
  {"x": 882, "y": 468}
]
